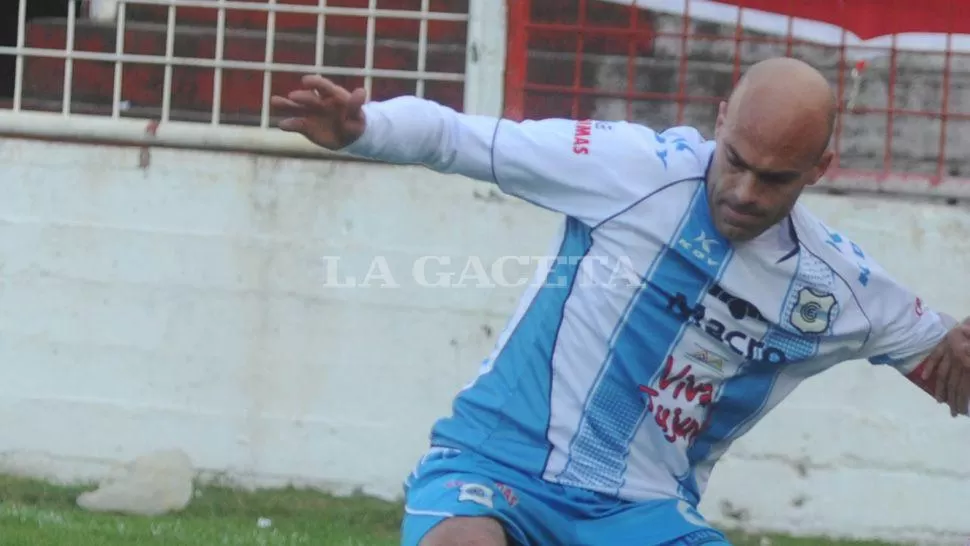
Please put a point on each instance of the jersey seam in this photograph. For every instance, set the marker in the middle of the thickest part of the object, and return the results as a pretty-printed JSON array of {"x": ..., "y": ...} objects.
[
  {"x": 855, "y": 297},
  {"x": 491, "y": 154},
  {"x": 593, "y": 227},
  {"x": 642, "y": 199}
]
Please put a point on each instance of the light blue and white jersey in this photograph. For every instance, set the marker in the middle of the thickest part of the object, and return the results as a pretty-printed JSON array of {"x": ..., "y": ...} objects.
[{"x": 653, "y": 342}]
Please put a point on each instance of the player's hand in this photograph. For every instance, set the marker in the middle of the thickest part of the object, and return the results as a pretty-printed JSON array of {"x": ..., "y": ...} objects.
[
  {"x": 950, "y": 362},
  {"x": 325, "y": 113}
]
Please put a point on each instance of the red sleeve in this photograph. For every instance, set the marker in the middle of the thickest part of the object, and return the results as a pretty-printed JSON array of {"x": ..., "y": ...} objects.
[{"x": 916, "y": 377}]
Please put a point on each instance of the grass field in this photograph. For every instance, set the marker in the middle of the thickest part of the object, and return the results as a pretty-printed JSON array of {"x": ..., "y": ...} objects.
[{"x": 36, "y": 514}]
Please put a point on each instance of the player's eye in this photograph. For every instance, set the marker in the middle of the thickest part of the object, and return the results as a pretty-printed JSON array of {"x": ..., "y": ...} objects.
[
  {"x": 778, "y": 179},
  {"x": 735, "y": 163}
]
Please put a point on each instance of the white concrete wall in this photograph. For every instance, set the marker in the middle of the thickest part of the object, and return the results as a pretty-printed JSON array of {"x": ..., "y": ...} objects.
[{"x": 183, "y": 305}]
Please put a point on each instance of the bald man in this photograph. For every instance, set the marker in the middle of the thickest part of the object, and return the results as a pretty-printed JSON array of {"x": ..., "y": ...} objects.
[{"x": 699, "y": 294}]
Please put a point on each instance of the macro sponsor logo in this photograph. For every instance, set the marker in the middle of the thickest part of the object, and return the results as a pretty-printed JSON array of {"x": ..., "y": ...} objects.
[
  {"x": 740, "y": 309},
  {"x": 737, "y": 341}
]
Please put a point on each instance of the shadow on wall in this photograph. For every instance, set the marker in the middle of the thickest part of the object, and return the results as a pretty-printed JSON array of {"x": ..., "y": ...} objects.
[{"x": 9, "y": 15}]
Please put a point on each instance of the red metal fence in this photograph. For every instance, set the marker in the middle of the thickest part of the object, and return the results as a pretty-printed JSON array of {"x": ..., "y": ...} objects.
[{"x": 903, "y": 121}]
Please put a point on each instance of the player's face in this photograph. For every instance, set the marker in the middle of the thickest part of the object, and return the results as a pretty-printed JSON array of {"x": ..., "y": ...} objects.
[{"x": 755, "y": 180}]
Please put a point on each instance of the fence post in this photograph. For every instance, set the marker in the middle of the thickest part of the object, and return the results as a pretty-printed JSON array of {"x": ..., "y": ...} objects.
[
  {"x": 517, "y": 58},
  {"x": 485, "y": 57}
]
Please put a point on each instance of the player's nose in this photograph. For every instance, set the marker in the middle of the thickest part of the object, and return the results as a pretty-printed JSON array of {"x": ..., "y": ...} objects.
[{"x": 747, "y": 192}]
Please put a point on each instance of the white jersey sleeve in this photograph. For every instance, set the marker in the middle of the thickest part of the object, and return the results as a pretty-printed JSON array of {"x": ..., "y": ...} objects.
[
  {"x": 904, "y": 329},
  {"x": 589, "y": 170}
]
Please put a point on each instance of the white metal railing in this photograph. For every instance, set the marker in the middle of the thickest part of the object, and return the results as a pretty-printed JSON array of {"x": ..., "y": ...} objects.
[{"x": 483, "y": 75}]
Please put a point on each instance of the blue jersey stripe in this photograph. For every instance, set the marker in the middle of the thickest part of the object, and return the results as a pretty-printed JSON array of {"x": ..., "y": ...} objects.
[
  {"x": 514, "y": 386},
  {"x": 733, "y": 408},
  {"x": 616, "y": 407}
]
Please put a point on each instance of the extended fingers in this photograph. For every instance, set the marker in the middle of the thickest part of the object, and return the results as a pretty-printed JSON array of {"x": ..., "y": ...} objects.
[
  {"x": 355, "y": 103},
  {"x": 961, "y": 400},
  {"x": 325, "y": 88},
  {"x": 311, "y": 100},
  {"x": 296, "y": 125},
  {"x": 959, "y": 382},
  {"x": 293, "y": 113},
  {"x": 942, "y": 378},
  {"x": 955, "y": 390},
  {"x": 286, "y": 107},
  {"x": 325, "y": 113},
  {"x": 952, "y": 370},
  {"x": 318, "y": 96}
]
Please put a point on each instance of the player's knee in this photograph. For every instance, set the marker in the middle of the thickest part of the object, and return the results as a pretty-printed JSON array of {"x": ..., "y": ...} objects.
[{"x": 466, "y": 531}]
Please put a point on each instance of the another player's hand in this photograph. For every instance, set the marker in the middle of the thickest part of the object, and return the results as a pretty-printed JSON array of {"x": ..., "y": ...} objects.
[
  {"x": 325, "y": 113},
  {"x": 950, "y": 362}
]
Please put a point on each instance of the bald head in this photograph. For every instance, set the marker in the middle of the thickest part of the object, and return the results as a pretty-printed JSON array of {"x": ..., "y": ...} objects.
[
  {"x": 787, "y": 102},
  {"x": 772, "y": 141}
]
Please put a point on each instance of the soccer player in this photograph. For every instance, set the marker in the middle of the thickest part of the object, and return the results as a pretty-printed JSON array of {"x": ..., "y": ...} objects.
[{"x": 700, "y": 293}]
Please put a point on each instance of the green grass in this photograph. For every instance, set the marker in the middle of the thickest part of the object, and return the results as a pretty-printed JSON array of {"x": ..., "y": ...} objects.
[{"x": 37, "y": 514}]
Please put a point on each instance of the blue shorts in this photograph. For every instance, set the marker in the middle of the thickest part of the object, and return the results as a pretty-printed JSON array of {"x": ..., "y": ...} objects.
[{"x": 448, "y": 483}]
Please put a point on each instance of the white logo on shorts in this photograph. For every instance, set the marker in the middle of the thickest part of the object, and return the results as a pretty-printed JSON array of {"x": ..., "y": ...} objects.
[
  {"x": 476, "y": 493},
  {"x": 690, "y": 515}
]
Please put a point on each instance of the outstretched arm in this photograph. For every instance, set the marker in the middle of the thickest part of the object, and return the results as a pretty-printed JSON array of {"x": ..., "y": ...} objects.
[
  {"x": 585, "y": 169},
  {"x": 945, "y": 372},
  {"x": 927, "y": 346}
]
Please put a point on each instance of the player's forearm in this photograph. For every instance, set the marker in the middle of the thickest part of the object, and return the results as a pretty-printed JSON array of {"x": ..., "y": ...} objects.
[
  {"x": 919, "y": 364},
  {"x": 410, "y": 130},
  {"x": 929, "y": 384}
]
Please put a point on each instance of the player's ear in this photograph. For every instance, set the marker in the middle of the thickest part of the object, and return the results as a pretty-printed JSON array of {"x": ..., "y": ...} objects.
[{"x": 823, "y": 164}]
